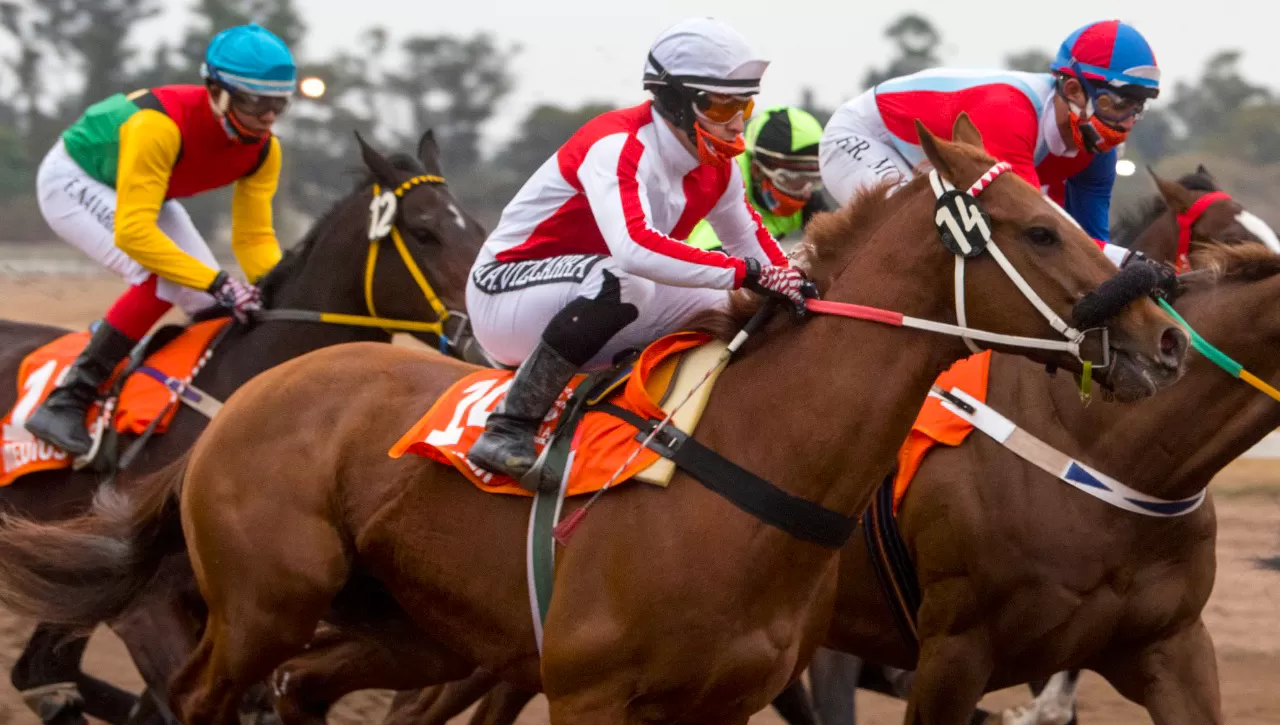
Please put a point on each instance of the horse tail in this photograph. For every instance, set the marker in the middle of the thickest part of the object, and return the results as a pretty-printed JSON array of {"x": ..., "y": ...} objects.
[{"x": 91, "y": 568}]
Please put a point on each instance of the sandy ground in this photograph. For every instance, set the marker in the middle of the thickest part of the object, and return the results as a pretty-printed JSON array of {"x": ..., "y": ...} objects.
[{"x": 1243, "y": 615}]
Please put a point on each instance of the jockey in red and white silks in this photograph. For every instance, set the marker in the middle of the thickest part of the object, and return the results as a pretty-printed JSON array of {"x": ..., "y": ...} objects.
[
  {"x": 589, "y": 258},
  {"x": 1059, "y": 130}
]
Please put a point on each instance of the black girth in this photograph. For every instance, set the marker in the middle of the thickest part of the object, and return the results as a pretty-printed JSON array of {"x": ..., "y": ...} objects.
[{"x": 800, "y": 517}]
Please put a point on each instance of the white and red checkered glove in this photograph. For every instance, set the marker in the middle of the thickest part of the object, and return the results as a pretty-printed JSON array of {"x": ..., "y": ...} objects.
[
  {"x": 239, "y": 297},
  {"x": 775, "y": 281}
]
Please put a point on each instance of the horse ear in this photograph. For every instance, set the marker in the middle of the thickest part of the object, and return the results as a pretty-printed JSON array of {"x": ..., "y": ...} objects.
[
  {"x": 933, "y": 150},
  {"x": 1202, "y": 170},
  {"x": 429, "y": 153},
  {"x": 1175, "y": 195},
  {"x": 965, "y": 132},
  {"x": 382, "y": 169}
]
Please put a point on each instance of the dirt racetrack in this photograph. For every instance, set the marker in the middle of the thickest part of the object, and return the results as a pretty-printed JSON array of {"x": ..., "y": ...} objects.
[{"x": 1244, "y": 613}]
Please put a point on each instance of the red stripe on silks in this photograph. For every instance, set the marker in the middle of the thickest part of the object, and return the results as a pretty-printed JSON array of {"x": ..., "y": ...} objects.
[
  {"x": 638, "y": 226},
  {"x": 857, "y": 312},
  {"x": 1187, "y": 220}
]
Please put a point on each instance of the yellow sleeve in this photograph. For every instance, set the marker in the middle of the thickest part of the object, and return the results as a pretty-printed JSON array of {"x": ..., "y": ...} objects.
[
  {"x": 149, "y": 147},
  {"x": 253, "y": 237}
]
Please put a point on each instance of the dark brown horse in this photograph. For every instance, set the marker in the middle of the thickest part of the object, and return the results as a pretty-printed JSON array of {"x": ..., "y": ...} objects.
[
  {"x": 1151, "y": 228},
  {"x": 672, "y": 605},
  {"x": 323, "y": 273}
]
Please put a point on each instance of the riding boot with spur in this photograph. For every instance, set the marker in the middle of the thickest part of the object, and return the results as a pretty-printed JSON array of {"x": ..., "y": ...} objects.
[
  {"x": 506, "y": 446},
  {"x": 61, "y": 419}
]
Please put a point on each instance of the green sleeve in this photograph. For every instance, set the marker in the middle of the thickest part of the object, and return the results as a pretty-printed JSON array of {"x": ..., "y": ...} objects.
[{"x": 704, "y": 237}]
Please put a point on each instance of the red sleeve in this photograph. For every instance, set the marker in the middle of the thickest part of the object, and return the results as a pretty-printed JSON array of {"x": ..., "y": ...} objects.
[{"x": 1010, "y": 129}]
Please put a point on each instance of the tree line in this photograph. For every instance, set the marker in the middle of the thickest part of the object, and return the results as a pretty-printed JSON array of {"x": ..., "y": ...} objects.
[{"x": 62, "y": 55}]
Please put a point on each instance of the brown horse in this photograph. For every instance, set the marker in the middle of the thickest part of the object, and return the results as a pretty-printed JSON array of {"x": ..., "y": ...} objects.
[
  {"x": 1151, "y": 228},
  {"x": 658, "y": 623},
  {"x": 323, "y": 273},
  {"x": 1091, "y": 586}
]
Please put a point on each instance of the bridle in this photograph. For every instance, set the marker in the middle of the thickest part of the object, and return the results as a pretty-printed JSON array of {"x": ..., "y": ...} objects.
[
  {"x": 383, "y": 214},
  {"x": 965, "y": 229}
]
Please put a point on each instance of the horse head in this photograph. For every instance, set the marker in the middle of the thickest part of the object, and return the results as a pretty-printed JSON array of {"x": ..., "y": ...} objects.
[{"x": 1027, "y": 269}]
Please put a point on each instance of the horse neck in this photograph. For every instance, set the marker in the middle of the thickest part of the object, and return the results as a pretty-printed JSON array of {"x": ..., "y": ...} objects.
[
  {"x": 853, "y": 388},
  {"x": 328, "y": 279},
  {"x": 1160, "y": 239},
  {"x": 1171, "y": 445}
]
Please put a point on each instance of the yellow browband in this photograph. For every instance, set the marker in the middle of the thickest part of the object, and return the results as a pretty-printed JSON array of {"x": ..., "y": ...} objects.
[{"x": 374, "y": 320}]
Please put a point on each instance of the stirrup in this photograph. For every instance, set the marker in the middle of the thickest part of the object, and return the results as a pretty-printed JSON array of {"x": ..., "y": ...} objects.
[
  {"x": 97, "y": 432},
  {"x": 534, "y": 480}
]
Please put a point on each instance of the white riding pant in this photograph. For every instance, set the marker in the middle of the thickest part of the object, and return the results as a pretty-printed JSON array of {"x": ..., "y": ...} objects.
[
  {"x": 857, "y": 152},
  {"x": 82, "y": 210},
  {"x": 510, "y": 304}
]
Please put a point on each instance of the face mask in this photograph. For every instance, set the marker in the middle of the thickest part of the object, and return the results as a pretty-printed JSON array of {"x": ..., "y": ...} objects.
[
  {"x": 1093, "y": 135},
  {"x": 777, "y": 202},
  {"x": 714, "y": 151}
]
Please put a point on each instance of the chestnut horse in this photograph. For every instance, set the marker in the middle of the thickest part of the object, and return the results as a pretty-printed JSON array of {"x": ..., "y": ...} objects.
[
  {"x": 323, "y": 273},
  {"x": 1091, "y": 586},
  {"x": 657, "y": 622},
  {"x": 1152, "y": 228}
]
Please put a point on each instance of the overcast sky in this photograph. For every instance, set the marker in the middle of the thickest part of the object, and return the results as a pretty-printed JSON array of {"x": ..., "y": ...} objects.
[{"x": 578, "y": 50}]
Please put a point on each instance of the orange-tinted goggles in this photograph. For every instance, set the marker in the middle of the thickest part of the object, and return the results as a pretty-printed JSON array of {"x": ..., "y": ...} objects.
[{"x": 718, "y": 108}]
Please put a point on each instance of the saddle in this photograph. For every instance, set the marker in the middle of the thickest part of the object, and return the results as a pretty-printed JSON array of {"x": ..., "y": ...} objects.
[{"x": 141, "y": 399}]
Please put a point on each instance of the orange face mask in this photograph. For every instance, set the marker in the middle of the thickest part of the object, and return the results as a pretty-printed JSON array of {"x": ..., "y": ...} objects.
[
  {"x": 1093, "y": 135},
  {"x": 714, "y": 151},
  {"x": 776, "y": 201}
]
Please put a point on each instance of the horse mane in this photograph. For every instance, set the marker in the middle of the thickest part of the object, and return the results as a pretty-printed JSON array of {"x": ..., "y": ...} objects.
[
  {"x": 1244, "y": 262},
  {"x": 830, "y": 239},
  {"x": 1135, "y": 221},
  {"x": 296, "y": 255}
]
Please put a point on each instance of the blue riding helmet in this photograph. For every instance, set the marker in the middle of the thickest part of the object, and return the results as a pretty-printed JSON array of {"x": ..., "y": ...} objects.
[
  {"x": 1110, "y": 55},
  {"x": 250, "y": 59}
]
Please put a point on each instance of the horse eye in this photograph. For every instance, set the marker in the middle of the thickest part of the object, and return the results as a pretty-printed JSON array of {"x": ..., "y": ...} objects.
[{"x": 1041, "y": 236}]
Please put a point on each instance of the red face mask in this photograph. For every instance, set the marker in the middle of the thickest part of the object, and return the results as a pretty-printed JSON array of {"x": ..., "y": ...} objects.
[
  {"x": 714, "y": 151},
  {"x": 1103, "y": 138},
  {"x": 777, "y": 202}
]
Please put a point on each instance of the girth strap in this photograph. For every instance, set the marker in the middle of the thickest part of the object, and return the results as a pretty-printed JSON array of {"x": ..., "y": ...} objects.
[
  {"x": 892, "y": 563},
  {"x": 800, "y": 517}
]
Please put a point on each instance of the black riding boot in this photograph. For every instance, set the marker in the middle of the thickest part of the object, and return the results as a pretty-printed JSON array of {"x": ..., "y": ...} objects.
[
  {"x": 60, "y": 420},
  {"x": 506, "y": 446}
]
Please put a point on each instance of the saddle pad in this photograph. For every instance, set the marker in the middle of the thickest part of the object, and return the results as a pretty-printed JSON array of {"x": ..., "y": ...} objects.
[
  {"x": 660, "y": 379},
  {"x": 142, "y": 398},
  {"x": 935, "y": 424}
]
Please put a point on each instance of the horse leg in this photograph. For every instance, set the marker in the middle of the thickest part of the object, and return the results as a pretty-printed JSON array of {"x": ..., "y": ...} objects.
[
  {"x": 265, "y": 594},
  {"x": 1055, "y": 702},
  {"x": 950, "y": 680},
  {"x": 793, "y": 705},
  {"x": 159, "y": 632},
  {"x": 833, "y": 676},
  {"x": 501, "y": 707},
  {"x": 341, "y": 661},
  {"x": 1176, "y": 679},
  {"x": 439, "y": 704}
]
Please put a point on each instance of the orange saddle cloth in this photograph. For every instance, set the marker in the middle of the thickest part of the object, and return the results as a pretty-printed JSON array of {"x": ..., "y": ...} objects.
[
  {"x": 935, "y": 424},
  {"x": 142, "y": 398},
  {"x": 600, "y": 444}
]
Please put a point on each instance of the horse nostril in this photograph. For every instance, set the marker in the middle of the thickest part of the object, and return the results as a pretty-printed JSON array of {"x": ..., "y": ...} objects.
[{"x": 1173, "y": 346}]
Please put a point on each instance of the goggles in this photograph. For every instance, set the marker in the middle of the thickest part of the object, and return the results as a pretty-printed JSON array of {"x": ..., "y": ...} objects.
[
  {"x": 791, "y": 177},
  {"x": 256, "y": 106},
  {"x": 719, "y": 109}
]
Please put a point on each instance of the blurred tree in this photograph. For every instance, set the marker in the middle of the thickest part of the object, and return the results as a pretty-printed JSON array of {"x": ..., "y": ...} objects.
[
  {"x": 917, "y": 42},
  {"x": 541, "y": 133},
  {"x": 809, "y": 102},
  {"x": 1206, "y": 106},
  {"x": 453, "y": 85},
  {"x": 1032, "y": 60}
]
